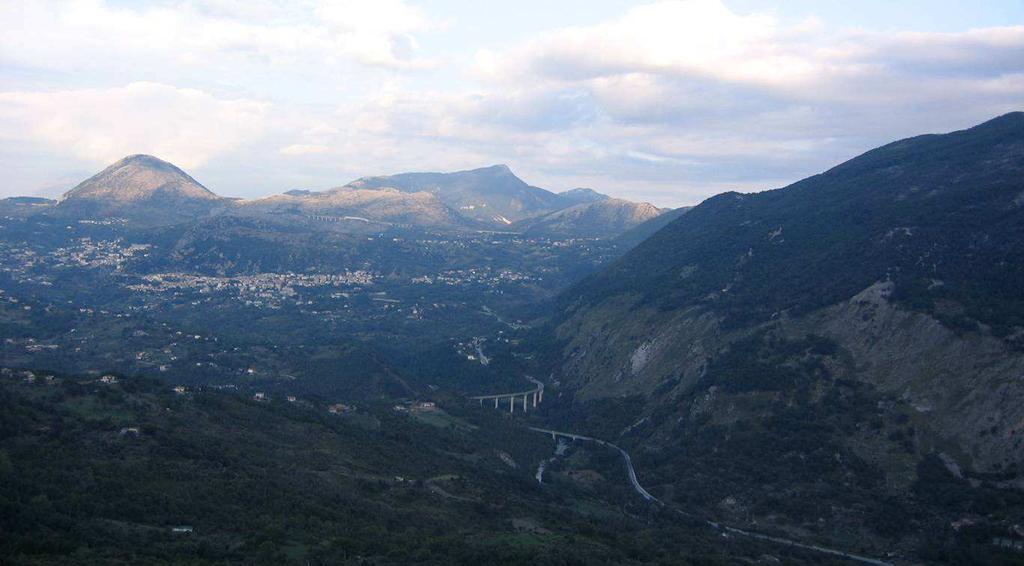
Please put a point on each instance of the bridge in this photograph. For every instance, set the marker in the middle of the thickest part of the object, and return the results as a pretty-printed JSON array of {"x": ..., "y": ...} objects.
[{"x": 537, "y": 395}]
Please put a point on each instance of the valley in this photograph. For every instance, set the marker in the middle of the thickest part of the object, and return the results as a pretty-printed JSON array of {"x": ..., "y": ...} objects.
[
  {"x": 577, "y": 283},
  {"x": 200, "y": 316},
  {"x": 820, "y": 373},
  {"x": 269, "y": 294}
]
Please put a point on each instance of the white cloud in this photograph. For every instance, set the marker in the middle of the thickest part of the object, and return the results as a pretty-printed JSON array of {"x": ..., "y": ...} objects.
[
  {"x": 304, "y": 149},
  {"x": 185, "y": 126},
  {"x": 690, "y": 92},
  {"x": 704, "y": 41},
  {"x": 93, "y": 34},
  {"x": 698, "y": 37},
  {"x": 379, "y": 32},
  {"x": 670, "y": 101}
]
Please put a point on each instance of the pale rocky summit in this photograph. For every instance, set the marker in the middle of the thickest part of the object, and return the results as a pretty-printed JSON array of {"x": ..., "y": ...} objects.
[
  {"x": 492, "y": 195},
  {"x": 141, "y": 187}
]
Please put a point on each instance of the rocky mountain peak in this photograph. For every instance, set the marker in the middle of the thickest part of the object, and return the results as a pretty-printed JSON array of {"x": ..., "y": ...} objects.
[
  {"x": 137, "y": 178},
  {"x": 499, "y": 168},
  {"x": 143, "y": 188}
]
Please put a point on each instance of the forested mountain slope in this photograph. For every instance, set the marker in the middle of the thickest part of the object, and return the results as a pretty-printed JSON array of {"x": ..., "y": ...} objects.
[{"x": 855, "y": 340}]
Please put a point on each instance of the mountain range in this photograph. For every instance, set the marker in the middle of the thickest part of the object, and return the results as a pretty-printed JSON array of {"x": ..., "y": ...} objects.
[
  {"x": 148, "y": 191},
  {"x": 836, "y": 362}
]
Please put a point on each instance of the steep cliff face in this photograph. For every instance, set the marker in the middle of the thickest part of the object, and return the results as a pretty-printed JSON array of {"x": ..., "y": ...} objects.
[{"x": 965, "y": 388}]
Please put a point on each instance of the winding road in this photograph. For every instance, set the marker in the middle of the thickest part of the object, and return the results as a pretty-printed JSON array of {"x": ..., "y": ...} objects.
[
  {"x": 631, "y": 472},
  {"x": 625, "y": 456},
  {"x": 717, "y": 526}
]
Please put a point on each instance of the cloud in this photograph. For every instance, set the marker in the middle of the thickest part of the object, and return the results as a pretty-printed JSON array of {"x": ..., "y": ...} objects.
[
  {"x": 703, "y": 40},
  {"x": 689, "y": 92},
  {"x": 670, "y": 101},
  {"x": 379, "y": 32},
  {"x": 304, "y": 149},
  {"x": 186, "y": 126},
  {"x": 94, "y": 34},
  {"x": 697, "y": 37}
]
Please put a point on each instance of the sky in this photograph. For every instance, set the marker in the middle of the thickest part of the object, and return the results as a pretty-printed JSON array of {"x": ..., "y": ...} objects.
[{"x": 666, "y": 102}]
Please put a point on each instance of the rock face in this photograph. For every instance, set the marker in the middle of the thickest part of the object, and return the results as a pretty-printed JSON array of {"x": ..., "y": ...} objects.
[
  {"x": 141, "y": 187},
  {"x": 603, "y": 218},
  {"x": 492, "y": 195},
  {"x": 963, "y": 384},
  {"x": 899, "y": 270}
]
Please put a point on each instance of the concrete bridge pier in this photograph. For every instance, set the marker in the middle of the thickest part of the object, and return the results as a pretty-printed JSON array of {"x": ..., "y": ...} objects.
[{"x": 513, "y": 398}]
